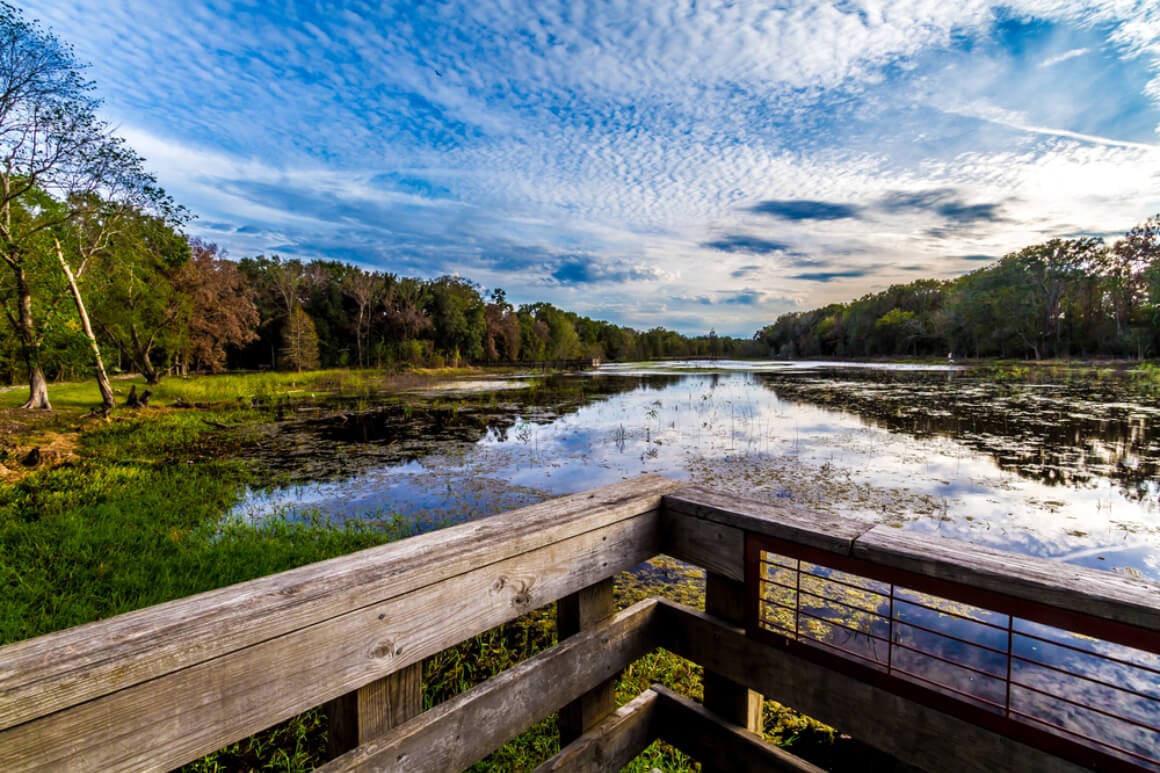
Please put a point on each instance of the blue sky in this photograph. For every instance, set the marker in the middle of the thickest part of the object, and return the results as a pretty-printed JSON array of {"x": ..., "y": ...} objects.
[{"x": 689, "y": 164}]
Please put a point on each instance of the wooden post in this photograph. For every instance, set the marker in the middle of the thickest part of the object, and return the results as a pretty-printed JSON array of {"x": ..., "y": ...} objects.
[
  {"x": 725, "y": 599},
  {"x": 575, "y": 613},
  {"x": 369, "y": 711}
]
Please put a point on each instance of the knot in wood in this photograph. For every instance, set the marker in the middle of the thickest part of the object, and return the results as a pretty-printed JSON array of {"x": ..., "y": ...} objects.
[
  {"x": 523, "y": 592},
  {"x": 385, "y": 649}
]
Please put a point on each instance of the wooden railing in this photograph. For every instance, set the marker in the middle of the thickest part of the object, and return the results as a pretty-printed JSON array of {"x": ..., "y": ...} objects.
[{"x": 156, "y": 688}]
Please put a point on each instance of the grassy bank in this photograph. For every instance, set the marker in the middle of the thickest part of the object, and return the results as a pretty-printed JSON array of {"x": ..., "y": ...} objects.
[{"x": 134, "y": 519}]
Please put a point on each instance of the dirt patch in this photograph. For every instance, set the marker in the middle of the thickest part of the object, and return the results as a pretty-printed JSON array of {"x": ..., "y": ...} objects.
[{"x": 33, "y": 441}]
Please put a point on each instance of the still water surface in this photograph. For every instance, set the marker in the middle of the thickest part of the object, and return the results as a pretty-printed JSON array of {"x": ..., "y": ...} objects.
[{"x": 1061, "y": 469}]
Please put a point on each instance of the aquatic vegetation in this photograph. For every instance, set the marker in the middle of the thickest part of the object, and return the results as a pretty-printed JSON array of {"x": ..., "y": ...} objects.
[{"x": 1019, "y": 464}]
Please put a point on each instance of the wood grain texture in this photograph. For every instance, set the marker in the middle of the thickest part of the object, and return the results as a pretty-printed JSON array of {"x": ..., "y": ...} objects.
[
  {"x": 373, "y": 709},
  {"x": 463, "y": 730},
  {"x": 1104, "y": 595},
  {"x": 789, "y": 522},
  {"x": 717, "y": 744},
  {"x": 613, "y": 743},
  {"x": 49, "y": 673},
  {"x": 694, "y": 522},
  {"x": 578, "y": 612},
  {"x": 908, "y": 731},
  {"x": 175, "y": 718},
  {"x": 728, "y": 699},
  {"x": 714, "y": 546},
  {"x": 156, "y": 688}
]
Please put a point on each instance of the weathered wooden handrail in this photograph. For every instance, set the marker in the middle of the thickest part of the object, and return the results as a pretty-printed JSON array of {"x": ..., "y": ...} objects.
[
  {"x": 159, "y": 687},
  {"x": 715, "y": 524},
  {"x": 1111, "y": 610}
]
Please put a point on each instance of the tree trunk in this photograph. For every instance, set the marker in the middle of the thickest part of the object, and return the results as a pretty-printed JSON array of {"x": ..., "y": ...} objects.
[
  {"x": 143, "y": 355},
  {"x": 108, "y": 400},
  {"x": 37, "y": 390},
  {"x": 30, "y": 346},
  {"x": 358, "y": 337}
]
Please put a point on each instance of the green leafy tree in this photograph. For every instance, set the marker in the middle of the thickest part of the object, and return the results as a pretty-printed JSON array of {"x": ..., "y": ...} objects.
[
  {"x": 276, "y": 286},
  {"x": 329, "y": 308},
  {"x": 51, "y": 144},
  {"x": 457, "y": 317},
  {"x": 406, "y": 317},
  {"x": 563, "y": 340},
  {"x": 898, "y": 330},
  {"x": 1034, "y": 284},
  {"x": 137, "y": 304},
  {"x": 534, "y": 335},
  {"x": 367, "y": 290},
  {"x": 1129, "y": 263}
]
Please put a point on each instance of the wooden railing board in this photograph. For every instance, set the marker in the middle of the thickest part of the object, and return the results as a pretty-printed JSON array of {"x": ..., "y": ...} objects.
[
  {"x": 908, "y": 731},
  {"x": 180, "y": 716},
  {"x": 789, "y": 522},
  {"x": 704, "y": 736},
  {"x": 715, "y": 547},
  {"x": 123, "y": 651},
  {"x": 725, "y": 599},
  {"x": 1103, "y": 595},
  {"x": 198, "y": 673},
  {"x": 612, "y": 744},
  {"x": 577, "y": 612},
  {"x": 468, "y": 727}
]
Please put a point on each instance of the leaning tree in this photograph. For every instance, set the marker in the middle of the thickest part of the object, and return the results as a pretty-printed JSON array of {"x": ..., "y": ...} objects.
[{"x": 56, "y": 158}]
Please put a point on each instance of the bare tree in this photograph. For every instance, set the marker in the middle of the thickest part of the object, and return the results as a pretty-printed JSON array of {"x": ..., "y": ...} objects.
[
  {"x": 367, "y": 289},
  {"x": 299, "y": 341}
]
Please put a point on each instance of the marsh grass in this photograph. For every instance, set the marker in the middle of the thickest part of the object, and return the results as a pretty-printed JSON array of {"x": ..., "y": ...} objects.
[
  {"x": 71, "y": 399},
  {"x": 296, "y": 745},
  {"x": 1148, "y": 375},
  {"x": 134, "y": 519}
]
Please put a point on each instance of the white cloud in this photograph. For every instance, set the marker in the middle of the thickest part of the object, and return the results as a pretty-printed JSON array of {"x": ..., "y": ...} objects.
[
  {"x": 1066, "y": 55},
  {"x": 631, "y": 133},
  {"x": 1013, "y": 120}
]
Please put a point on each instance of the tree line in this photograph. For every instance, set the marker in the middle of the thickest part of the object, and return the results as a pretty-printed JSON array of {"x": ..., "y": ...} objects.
[
  {"x": 329, "y": 313},
  {"x": 1079, "y": 297},
  {"x": 159, "y": 303},
  {"x": 98, "y": 275}
]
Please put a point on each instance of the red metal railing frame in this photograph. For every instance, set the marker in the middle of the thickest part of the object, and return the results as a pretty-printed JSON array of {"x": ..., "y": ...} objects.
[{"x": 1005, "y": 722}]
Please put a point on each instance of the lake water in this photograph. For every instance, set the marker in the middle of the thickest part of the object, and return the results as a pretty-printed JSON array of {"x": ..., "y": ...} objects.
[{"x": 1055, "y": 468}]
